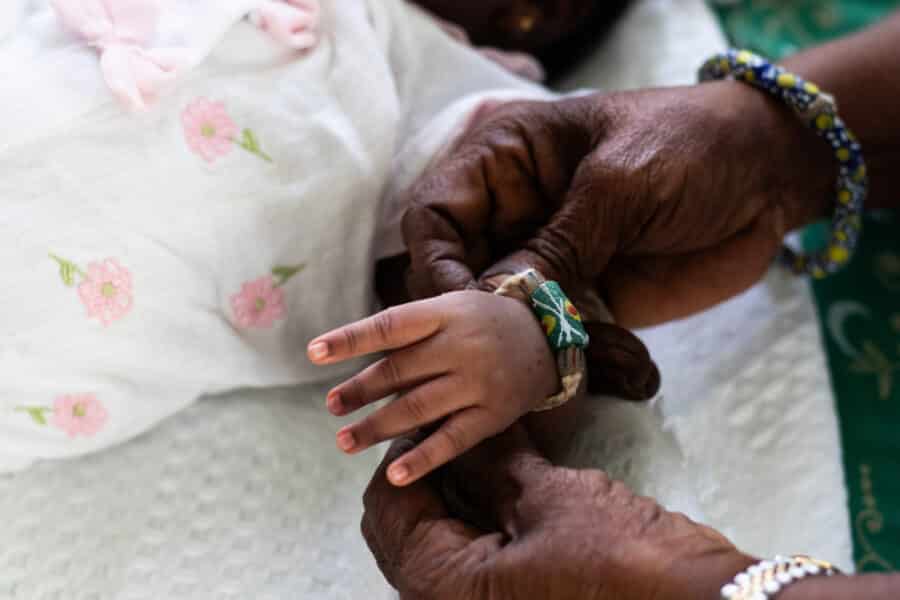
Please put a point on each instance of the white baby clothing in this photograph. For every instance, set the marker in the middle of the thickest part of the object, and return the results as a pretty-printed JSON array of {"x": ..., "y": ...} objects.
[{"x": 154, "y": 257}]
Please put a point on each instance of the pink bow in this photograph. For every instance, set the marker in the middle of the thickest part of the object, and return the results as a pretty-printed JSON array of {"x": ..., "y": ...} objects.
[
  {"x": 294, "y": 23},
  {"x": 120, "y": 30}
]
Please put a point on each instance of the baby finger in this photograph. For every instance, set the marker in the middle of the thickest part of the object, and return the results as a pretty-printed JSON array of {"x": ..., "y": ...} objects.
[
  {"x": 392, "y": 374},
  {"x": 421, "y": 406},
  {"x": 458, "y": 434}
]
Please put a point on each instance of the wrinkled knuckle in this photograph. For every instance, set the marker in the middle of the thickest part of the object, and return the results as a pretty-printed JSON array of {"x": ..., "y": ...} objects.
[
  {"x": 649, "y": 509},
  {"x": 620, "y": 491},
  {"x": 383, "y": 324},
  {"x": 416, "y": 211},
  {"x": 596, "y": 482},
  {"x": 606, "y": 166},
  {"x": 562, "y": 247},
  {"x": 351, "y": 339},
  {"x": 422, "y": 193},
  {"x": 417, "y": 407},
  {"x": 390, "y": 372},
  {"x": 602, "y": 115}
]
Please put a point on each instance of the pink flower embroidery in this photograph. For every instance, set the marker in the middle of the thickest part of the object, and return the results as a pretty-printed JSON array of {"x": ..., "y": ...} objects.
[
  {"x": 80, "y": 414},
  {"x": 208, "y": 129},
  {"x": 259, "y": 303},
  {"x": 106, "y": 291}
]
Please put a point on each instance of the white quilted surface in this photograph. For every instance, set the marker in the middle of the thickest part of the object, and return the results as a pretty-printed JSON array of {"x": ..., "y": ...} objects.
[
  {"x": 750, "y": 442},
  {"x": 236, "y": 498},
  {"x": 245, "y": 497}
]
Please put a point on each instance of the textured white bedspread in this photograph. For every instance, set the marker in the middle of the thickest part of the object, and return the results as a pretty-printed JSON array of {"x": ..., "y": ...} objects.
[{"x": 245, "y": 496}]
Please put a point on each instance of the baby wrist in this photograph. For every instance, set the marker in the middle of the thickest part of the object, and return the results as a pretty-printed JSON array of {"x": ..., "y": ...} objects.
[{"x": 562, "y": 325}]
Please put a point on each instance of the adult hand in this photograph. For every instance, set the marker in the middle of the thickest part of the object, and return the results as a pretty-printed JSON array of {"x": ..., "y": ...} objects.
[
  {"x": 664, "y": 201},
  {"x": 557, "y": 533}
]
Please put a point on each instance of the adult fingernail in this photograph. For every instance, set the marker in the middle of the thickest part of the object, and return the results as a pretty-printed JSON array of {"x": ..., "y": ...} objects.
[
  {"x": 318, "y": 351},
  {"x": 346, "y": 441},
  {"x": 398, "y": 473},
  {"x": 333, "y": 401}
]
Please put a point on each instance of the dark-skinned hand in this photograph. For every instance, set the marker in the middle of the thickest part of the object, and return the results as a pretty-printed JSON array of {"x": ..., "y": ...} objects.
[{"x": 547, "y": 532}]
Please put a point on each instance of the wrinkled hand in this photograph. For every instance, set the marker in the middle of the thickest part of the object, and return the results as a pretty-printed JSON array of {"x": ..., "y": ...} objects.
[
  {"x": 476, "y": 360},
  {"x": 664, "y": 201},
  {"x": 558, "y": 533}
]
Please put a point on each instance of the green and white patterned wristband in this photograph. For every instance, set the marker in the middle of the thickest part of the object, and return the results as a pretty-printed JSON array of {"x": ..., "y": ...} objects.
[{"x": 562, "y": 324}]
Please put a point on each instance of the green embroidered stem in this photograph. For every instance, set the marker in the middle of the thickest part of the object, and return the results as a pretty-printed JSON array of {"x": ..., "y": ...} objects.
[
  {"x": 67, "y": 270},
  {"x": 36, "y": 413},
  {"x": 250, "y": 143},
  {"x": 283, "y": 274}
]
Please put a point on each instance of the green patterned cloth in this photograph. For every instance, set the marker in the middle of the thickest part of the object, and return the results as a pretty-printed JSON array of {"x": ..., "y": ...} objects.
[
  {"x": 776, "y": 28},
  {"x": 859, "y": 308}
]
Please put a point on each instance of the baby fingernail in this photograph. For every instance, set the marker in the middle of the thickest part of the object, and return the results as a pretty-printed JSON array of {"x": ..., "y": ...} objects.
[
  {"x": 398, "y": 473},
  {"x": 346, "y": 441},
  {"x": 334, "y": 402},
  {"x": 318, "y": 351}
]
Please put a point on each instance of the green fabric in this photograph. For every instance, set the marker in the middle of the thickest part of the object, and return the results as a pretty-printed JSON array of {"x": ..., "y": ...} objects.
[
  {"x": 859, "y": 308},
  {"x": 776, "y": 28}
]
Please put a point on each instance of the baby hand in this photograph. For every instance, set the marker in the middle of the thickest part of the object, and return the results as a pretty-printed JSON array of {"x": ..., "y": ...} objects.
[{"x": 477, "y": 360}]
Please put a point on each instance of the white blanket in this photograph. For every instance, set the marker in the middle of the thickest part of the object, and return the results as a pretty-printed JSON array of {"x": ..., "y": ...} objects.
[
  {"x": 195, "y": 248},
  {"x": 246, "y": 497}
]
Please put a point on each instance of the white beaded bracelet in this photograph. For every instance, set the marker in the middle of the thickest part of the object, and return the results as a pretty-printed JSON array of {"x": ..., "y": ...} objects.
[{"x": 767, "y": 578}]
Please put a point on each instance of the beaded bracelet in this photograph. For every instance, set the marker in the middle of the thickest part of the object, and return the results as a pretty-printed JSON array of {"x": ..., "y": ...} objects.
[
  {"x": 766, "y": 579},
  {"x": 819, "y": 111},
  {"x": 562, "y": 325}
]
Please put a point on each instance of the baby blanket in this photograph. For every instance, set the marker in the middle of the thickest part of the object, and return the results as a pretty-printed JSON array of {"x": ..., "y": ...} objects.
[{"x": 195, "y": 247}]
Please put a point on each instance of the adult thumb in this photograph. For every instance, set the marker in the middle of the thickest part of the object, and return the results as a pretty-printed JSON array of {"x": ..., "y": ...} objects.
[
  {"x": 500, "y": 485},
  {"x": 573, "y": 246}
]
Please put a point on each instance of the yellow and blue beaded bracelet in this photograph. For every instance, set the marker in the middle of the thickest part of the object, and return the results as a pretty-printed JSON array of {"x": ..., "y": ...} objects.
[{"x": 819, "y": 111}]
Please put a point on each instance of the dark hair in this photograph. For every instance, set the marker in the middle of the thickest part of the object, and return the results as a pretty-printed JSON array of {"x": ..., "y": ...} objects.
[
  {"x": 563, "y": 54},
  {"x": 558, "y": 32}
]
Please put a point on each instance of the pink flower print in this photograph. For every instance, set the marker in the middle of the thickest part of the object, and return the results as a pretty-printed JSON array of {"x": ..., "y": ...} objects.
[
  {"x": 79, "y": 414},
  {"x": 259, "y": 303},
  {"x": 208, "y": 129},
  {"x": 106, "y": 291}
]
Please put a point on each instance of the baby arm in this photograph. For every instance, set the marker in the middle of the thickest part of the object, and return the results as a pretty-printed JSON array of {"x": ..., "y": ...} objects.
[{"x": 474, "y": 360}]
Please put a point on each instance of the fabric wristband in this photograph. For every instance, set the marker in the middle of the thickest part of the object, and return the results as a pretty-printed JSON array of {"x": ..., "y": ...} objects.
[{"x": 562, "y": 325}]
